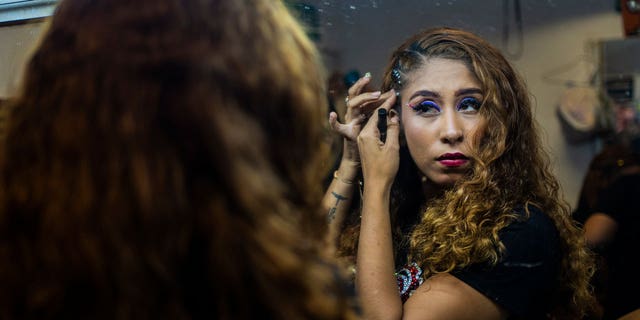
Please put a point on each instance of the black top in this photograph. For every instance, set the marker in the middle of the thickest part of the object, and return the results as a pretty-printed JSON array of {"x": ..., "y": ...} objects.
[
  {"x": 525, "y": 276},
  {"x": 621, "y": 201}
]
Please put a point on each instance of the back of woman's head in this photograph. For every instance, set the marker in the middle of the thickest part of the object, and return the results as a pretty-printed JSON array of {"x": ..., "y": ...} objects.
[{"x": 164, "y": 159}]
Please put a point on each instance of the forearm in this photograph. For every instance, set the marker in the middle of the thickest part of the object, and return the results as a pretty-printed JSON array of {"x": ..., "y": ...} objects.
[
  {"x": 338, "y": 198},
  {"x": 375, "y": 279}
]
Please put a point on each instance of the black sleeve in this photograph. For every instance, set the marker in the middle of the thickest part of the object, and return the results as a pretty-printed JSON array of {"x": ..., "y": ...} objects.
[
  {"x": 614, "y": 200},
  {"x": 582, "y": 210},
  {"x": 524, "y": 278}
]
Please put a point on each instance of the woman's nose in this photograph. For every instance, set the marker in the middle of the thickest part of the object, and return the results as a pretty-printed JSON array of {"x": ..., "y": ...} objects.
[{"x": 451, "y": 131}]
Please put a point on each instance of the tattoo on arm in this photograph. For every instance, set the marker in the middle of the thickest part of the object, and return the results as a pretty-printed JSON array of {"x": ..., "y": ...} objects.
[{"x": 332, "y": 211}]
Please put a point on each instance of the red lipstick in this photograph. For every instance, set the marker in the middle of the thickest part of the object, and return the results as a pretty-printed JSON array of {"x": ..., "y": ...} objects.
[{"x": 456, "y": 159}]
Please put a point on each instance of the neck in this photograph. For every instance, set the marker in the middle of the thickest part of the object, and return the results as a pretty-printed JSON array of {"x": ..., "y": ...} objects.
[{"x": 432, "y": 190}]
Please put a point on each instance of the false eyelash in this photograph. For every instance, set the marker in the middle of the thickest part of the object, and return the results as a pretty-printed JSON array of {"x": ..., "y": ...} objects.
[
  {"x": 469, "y": 100},
  {"x": 417, "y": 107}
]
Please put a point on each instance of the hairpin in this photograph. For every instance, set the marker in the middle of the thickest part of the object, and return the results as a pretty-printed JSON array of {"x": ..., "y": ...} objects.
[{"x": 395, "y": 73}]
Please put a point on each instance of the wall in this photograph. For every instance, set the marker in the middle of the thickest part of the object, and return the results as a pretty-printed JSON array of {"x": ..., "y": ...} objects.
[
  {"x": 16, "y": 43},
  {"x": 548, "y": 48}
]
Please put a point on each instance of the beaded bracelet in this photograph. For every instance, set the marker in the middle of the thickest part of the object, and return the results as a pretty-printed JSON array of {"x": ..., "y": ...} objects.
[{"x": 335, "y": 176}]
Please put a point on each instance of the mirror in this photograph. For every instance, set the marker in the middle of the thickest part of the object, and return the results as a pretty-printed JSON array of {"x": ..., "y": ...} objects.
[
  {"x": 553, "y": 43},
  {"x": 12, "y": 11}
]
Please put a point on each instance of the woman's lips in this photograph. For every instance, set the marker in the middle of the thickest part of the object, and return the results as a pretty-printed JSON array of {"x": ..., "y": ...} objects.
[{"x": 453, "y": 159}]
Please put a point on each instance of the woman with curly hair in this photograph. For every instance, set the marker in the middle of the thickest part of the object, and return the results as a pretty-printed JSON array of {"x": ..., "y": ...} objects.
[
  {"x": 461, "y": 216},
  {"x": 145, "y": 171}
]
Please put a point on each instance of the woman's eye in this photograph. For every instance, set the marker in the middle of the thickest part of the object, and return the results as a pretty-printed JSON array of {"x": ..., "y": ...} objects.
[
  {"x": 426, "y": 106},
  {"x": 469, "y": 104}
]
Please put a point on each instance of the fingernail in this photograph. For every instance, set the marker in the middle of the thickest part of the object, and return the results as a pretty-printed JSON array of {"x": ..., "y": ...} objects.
[
  {"x": 376, "y": 94},
  {"x": 367, "y": 75}
]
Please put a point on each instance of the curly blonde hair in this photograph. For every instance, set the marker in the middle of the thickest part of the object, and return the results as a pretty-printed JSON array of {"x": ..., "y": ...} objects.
[
  {"x": 164, "y": 160},
  {"x": 512, "y": 169}
]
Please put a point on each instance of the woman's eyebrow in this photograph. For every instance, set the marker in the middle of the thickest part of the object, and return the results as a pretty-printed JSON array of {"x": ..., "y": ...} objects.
[
  {"x": 467, "y": 91},
  {"x": 424, "y": 93},
  {"x": 461, "y": 92}
]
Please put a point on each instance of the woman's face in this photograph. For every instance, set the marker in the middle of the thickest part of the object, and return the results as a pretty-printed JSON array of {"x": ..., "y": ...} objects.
[{"x": 440, "y": 118}]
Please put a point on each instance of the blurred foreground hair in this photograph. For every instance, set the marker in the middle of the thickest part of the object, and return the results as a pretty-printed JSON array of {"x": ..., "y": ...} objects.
[{"x": 163, "y": 160}]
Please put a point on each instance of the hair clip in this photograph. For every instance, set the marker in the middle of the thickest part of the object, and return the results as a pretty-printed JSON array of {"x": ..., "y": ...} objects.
[{"x": 395, "y": 73}]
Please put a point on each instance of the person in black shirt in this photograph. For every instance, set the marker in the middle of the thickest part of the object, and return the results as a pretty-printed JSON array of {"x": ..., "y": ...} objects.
[{"x": 613, "y": 229}]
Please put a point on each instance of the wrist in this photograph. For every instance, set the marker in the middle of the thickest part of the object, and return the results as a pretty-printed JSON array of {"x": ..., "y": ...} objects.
[
  {"x": 349, "y": 165},
  {"x": 336, "y": 176},
  {"x": 348, "y": 170},
  {"x": 376, "y": 190},
  {"x": 378, "y": 187},
  {"x": 350, "y": 152}
]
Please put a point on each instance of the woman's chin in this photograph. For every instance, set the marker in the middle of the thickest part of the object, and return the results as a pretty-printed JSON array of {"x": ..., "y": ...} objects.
[{"x": 445, "y": 179}]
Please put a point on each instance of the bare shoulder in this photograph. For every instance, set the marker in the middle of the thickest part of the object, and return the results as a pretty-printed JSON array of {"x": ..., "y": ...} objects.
[
  {"x": 444, "y": 296},
  {"x": 633, "y": 315}
]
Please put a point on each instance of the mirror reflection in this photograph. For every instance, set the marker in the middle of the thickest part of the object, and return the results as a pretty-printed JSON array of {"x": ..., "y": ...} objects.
[{"x": 555, "y": 45}]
